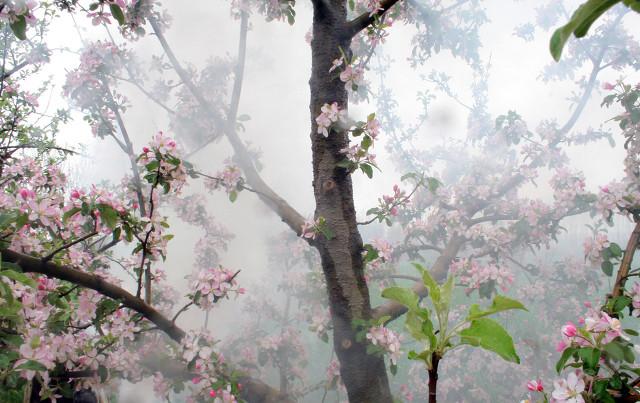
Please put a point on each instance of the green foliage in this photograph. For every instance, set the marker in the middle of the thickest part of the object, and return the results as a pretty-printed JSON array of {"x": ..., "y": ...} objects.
[
  {"x": 491, "y": 336},
  {"x": 19, "y": 27},
  {"x": 582, "y": 19},
  {"x": 475, "y": 330}
]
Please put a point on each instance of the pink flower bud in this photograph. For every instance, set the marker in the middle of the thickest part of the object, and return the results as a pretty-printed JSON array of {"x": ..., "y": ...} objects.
[
  {"x": 24, "y": 193},
  {"x": 535, "y": 386},
  {"x": 608, "y": 86},
  {"x": 196, "y": 380},
  {"x": 569, "y": 330},
  {"x": 393, "y": 211},
  {"x": 75, "y": 194},
  {"x": 212, "y": 393},
  {"x": 145, "y": 149}
]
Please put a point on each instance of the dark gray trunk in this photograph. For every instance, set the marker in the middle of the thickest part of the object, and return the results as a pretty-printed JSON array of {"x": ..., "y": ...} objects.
[{"x": 364, "y": 375}]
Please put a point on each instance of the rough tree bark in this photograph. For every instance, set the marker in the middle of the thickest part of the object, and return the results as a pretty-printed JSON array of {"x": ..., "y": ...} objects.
[{"x": 364, "y": 375}]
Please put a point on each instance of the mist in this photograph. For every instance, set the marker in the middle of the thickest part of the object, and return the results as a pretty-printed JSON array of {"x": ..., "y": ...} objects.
[{"x": 484, "y": 162}]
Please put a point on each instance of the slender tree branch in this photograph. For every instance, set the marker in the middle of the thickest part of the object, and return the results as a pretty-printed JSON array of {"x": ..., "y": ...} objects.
[
  {"x": 365, "y": 19},
  {"x": 15, "y": 69},
  {"x": 67, "y": 246},
  {"x": 287, "y": 213}
]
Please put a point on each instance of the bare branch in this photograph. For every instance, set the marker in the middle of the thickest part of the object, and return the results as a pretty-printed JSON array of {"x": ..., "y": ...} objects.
[{"x": 287, "y": 213}]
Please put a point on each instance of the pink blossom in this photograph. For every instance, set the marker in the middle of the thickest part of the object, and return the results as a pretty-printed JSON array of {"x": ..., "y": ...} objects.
[
  {"x": 387, "y": 339},
  {"x": 569, "y": 390}
]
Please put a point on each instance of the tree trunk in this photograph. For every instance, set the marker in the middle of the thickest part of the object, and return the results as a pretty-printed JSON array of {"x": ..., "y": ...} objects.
[{"x": 364, "y": 375}]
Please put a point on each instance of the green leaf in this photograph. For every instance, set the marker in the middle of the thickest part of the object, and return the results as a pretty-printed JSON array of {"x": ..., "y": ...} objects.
[
  {"x": 415, "y": 326},
  {"x": 405, "y": 296},
  {"x": 446, "y": 291},
  {"x": 32, "y": 365},
  {"x": 614, "y": 350},
  {"x": 19, "y": 27},
  {"x": 19, "y": 277},
  {"x": 70, "y": 213},
  {"x": 579, "y": 24},
  {"x": 117, "y": 13},
  {"x": 615, "y": 250},
  {"x": 499, "y": 304},
  {"x": 367, "y": 169},
  {"x": 619, "y": 303},
  {"x": 566, "y": 354},
  {"x": 372, "y": 253},
  {"x": 233, "y": 195},
  {"x": 103, "y": 372},
  {"x": 607, "y": 267},
  {"x": 394, "y": 369},
  {"x": 590, "y": 358},
  {"x": 366, "y": 142},
  {"x": 491, "y": 336},
  {"x": 345, "y": 164},
  {"x": 108, "y": 215},
  {"x": 430, "y": 283}
]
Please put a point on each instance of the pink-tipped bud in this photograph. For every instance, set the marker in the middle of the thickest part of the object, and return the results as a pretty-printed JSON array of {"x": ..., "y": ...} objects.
[
  {"x": 608, "y": 86},
  {"x": 145, "y": 149},
  {"x": 569, "y": 330},
  {"x": 75, "y": 194},
  {"x": 212, "y": 393},
  {"x": 24, "y": 193},
  {"x": 535, "y": 386}
]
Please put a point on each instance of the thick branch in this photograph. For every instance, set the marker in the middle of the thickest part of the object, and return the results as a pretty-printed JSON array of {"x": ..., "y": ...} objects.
[
  {"x": 253, "y": 390},
  {"x": 625, "y": 265},
  {"x": 365, "y": 19},
  {"x": 287, "y": 213},
  {"x": 30, "y": 264}
]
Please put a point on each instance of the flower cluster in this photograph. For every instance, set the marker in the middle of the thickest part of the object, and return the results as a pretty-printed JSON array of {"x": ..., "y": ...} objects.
[
  {"x": 310, "y": 229},
  {"x": 599, "y": 329},
  {"x": 593, "y": 248},
  {"x": 197, "y": 350},
  {"x": 569, "y": 390},
  {"x": 352, "y": 75},
  {"x": 389, "y": 205},
  {"x": 18, "y": 13},
  {"x": 635, "y": 299},
  {"x": 163, "y": 166},
  {"x": 387, "y": 340},
  {"x": 229, "y": 179},
  {"x": 320, "y": 323},
  {"x": 329, "y": 115},
  {"x": 359, "y": 155},
  {"x": 484, "y": 278},
  {"x": 211, "y": 284}
]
